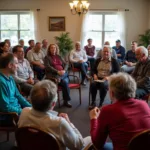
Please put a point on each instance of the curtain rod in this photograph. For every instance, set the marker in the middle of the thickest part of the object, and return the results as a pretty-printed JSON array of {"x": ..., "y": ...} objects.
[
  {"x": 108, "y": 9},
  {"x": 14, "y": 9}
]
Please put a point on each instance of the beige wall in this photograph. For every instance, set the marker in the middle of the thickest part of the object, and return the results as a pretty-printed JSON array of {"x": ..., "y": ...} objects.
[{"x": 136, "y": 17}]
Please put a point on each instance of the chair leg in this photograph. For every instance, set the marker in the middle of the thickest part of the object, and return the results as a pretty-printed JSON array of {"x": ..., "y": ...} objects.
[
  {"x": 80, "y": 95},
  {"x": 58, "y": 99},
  {"x": 7, "y": 135},
  {"x": 89, "y": 96}
]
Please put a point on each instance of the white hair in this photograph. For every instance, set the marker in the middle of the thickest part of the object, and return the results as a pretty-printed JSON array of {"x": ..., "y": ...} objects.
[
  {"x": 78, "y": 42},
  {"x": 123, "y": 86},
  {"x": 143, "y": 50},
  {"x": 107, "y": 46},
  {"x": 43, "y": 94}
]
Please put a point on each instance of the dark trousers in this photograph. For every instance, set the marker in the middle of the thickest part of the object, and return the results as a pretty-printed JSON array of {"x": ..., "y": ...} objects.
[
  {"x": 92, "y": 62},
  {"x": 102, "y": 87},
  {"x": 40, "y": 72},
  {"x": 140, "y": 93},
  {"x": 26, "y": 88},
  {"x": 65, "y": 88},
  {"x": 83, "y": 67}
]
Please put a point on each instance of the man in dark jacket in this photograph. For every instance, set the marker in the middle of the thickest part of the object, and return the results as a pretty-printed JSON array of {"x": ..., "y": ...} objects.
[{"x": 141, "y": 73}]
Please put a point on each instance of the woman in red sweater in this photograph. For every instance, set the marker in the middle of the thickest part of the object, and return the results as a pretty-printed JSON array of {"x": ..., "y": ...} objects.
[{"x": 123, "y": 119}]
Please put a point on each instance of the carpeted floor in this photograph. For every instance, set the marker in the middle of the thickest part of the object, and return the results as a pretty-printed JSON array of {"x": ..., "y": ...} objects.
[{"x": 78, "y": 114}]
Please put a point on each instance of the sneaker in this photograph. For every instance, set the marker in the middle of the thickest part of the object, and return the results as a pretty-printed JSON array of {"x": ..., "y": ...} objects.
[
  {"x": 67, "y": 104},
  {"x": 93, "y": 104},
  {"x": 83, "y": 83}
]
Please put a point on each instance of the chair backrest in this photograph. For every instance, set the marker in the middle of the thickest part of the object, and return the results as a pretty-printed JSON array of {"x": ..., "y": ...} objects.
[
  {"x": 140, "y": 141},
  {"x": 30, "y": 138}
]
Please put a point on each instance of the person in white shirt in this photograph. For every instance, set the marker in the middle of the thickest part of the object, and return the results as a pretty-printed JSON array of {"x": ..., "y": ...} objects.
[
  {"x": 36, "y": 58},
  {"x": 44, "y": 46},
  {"x": 79, "y": 58},
  {"x": 41, "y": 115},
  {"x": 24, "y": 75}
]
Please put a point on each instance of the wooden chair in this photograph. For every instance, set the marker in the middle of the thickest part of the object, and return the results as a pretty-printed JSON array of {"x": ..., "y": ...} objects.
[
  {"x": 12, "y": 127},
  {"x": 146, "y": 97},
  {"x": 30, "y": 138},
  {"x": 74, "y": 70},
  {"x": 74, "y": 85},
  {"x": 140, "y": 141}
]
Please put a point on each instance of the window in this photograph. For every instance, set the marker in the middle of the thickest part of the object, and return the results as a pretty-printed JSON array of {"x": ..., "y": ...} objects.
[
  {"x": 102, "y": 27},
  {"x": 15, "y": 26}
]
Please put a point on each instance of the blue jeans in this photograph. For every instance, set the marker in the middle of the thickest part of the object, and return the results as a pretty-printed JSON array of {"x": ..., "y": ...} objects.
[
  {"x": 127, "y": 69},
  {"x": 65, "y": 88},
  {"x": 108, "y": 146},
  {"x": 40, "y": 72},
  {"x": 83, "y": 67},
  {"x": 92, "y": 62}
]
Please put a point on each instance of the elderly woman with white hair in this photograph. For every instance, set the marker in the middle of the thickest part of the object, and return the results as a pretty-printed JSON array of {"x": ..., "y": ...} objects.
[
  {"x": 141, "y": 73},
  {"x": 104, "y": 67},
  {"x": 122, "y": 120}
]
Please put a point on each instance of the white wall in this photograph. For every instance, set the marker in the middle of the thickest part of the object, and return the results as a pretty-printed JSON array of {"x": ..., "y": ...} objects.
[{"x": 137, "y": 16}]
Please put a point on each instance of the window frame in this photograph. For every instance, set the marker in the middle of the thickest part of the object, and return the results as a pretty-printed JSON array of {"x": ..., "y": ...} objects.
[
  {"x": 103, "y": 31},
  {"x": 18, "y": 13}
]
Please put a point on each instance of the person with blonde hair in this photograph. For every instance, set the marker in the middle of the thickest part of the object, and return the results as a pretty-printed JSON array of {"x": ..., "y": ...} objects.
[
  {"x": 121, "y": 120},
  {"x": 57, "y": 68}
]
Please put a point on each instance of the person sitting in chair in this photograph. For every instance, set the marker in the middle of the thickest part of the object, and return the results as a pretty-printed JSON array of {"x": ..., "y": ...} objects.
[
  {"x": 43, "y": 99},
  {"x": 57, "y": 68},
  {"x": 79, "y": 58},
  {"x": 123, "y": 119},
  {"x": 103, "y": 68}
]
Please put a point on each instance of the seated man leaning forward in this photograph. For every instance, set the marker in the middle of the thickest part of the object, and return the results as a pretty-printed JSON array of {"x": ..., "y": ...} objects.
[
  {"x": 103, "y": 68},
  {"x": 10, "y": 98},
  {"x": 122, "y": 120},
  {"x": 79, "y": 58},
  {"x": 23, "y": 74},
  {"x": 43, "y": 98},
  {"x": 141, "y": 73}
]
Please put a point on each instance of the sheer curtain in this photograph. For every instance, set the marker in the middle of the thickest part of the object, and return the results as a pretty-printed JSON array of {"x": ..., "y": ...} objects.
[
  {"x": 35, "y": 27},
  {"x": 84, "y": 29},
  {"x": 122, "y": 26}
]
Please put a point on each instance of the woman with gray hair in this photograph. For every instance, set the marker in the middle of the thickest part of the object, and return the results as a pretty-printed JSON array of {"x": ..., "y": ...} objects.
[
  {"x": 103, "y": 68},
  {"x": 122, "y": 120},
  {"x": 43, "y": 99}
]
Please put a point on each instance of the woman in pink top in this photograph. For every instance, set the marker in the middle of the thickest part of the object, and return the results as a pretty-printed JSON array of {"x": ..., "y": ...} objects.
[{"x": 122, "y": 120}]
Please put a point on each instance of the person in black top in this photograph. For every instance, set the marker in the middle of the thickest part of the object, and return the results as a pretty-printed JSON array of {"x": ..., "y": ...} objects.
[{"x": 130, "y": 59}]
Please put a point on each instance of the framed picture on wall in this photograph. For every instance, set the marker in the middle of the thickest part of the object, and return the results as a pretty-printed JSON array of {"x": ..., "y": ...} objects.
[{"x": 56, "y": 23}]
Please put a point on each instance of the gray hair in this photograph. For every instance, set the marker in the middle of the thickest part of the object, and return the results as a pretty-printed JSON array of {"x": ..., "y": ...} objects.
[
  {"x": 143, "y": 50},
  {"x": 78, "y": 42},
  {"x": 123, "y": 86},
  {"x": 107, "y": 46},
  {"x": 43, "y": 94},
  {"x": 148, "y": 46}
]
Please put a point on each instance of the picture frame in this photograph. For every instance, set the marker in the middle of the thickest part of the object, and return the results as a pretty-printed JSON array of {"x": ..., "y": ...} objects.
[{"x": 56, "y": 23}]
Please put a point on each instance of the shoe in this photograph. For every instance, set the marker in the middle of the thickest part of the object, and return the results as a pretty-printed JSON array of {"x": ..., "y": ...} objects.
[
  {"x": 88, "y": 77},
  {"x": 83, "y": 83},
  {"x": 93, "y": 104},
  {"x": 67, "y": 104}
]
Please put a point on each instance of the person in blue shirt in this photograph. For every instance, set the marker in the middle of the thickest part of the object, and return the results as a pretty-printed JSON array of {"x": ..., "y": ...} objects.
[
  {"x": 10, "y": 98},
  {"x": 120, "y": 51}
]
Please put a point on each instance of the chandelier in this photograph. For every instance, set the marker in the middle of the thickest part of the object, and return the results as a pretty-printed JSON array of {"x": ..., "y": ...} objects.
[{"x": 79, "y": 7}]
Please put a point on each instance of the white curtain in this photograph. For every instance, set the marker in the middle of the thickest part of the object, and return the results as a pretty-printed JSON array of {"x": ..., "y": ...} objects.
[
  {"x": 35, "y": 26},
  {"x": 84, "y": 29},
  {"x": 122, "y": 26}
]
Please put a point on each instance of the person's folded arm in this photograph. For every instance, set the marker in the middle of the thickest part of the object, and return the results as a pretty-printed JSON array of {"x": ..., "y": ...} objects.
[{"x": 48, "y": 66}]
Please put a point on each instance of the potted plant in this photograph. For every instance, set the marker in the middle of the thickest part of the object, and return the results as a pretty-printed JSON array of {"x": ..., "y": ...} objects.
[
  {"x": 65, "y": 43},
  {"x": 144, "y": 39}
]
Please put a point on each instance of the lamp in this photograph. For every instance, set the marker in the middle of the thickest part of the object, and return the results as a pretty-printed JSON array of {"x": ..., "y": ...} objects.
[{"x": 79, "y": 7}]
